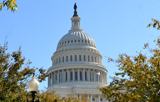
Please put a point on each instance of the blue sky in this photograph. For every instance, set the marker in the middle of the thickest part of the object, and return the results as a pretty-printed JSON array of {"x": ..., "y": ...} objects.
[{"x": 117, "y": 26}]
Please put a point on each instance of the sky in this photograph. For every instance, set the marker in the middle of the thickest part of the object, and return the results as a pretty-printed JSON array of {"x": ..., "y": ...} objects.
[{"x": 117, "y": 27}]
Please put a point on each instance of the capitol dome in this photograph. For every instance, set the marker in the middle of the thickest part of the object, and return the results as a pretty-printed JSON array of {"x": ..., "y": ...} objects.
[
  {"x": 76, "y": 65},
  {"x": 76, "y": 38}
]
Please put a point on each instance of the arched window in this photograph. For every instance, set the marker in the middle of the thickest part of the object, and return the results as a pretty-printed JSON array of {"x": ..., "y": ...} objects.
[
  {"x": 68, "y": 41},
  {"x": 76, "y": 76},
  {"x": 75, "y": 57},
  {"x": 66, "y": 76},
  {"x": 78, "y": 40},
  {"x": 86, "y": 76},
  {"x": 82, "y": 40},
  {"x": 75, "y": 40},
  {"x": 80, "y": 75},
  {"x": 88, "y": 59},
  {"x": 66, "y": 58},
  {"x": 79, "y": 57},
  {"x": 71, "y": 58},
  {"x": 71, "y": 41},
  {"x": 71, "y": 76},
  {"x": 84, "y": 58}
]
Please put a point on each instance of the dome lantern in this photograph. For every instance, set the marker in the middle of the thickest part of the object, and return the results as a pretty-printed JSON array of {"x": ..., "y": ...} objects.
[{"x": 75, "y": 19}]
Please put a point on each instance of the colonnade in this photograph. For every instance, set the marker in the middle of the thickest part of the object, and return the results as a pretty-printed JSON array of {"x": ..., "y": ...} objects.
[
  {"x": 76, "y": 57},
  {"x": 91, "y": 97},
  {"x": 77, "y": 74}
]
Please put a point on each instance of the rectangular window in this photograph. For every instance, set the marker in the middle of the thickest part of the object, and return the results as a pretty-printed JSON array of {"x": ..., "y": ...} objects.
[
  {"x": 84, "y": 58},
  {"x": 75, "y": 57},
  {"x": 97, "y": 78},
  {"x": 56, "y": 76},
  {"x": 63, "y": 59},
  {"x": 56, "y": 60},
  {"x": 66, "y": 76},
  {"x": 95, "y": 59},
  {"x": 66, "y": 58},
  {"x": 59, "y": 60},
  {"x": 76, "y": 76},
  {"x": 71, "y": 58},
  {"x": 86, "y": 76},
  {"x": 79, "y": 57},
  {"x": 92, "y": 76},
  {"x": 92, "y": 58},
  {"x": 88, "y": 58},
  {"x": 80, "y": 75},
  {"x": 71, "y": 76}
]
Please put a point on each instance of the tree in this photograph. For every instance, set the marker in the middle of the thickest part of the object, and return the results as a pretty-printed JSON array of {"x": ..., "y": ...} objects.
[
  {"x": 156, "y": 24},
  {"x": 138, "y": 79},
  {"x": 11, "y": 4},
  {"x": 14, "y": 74}
]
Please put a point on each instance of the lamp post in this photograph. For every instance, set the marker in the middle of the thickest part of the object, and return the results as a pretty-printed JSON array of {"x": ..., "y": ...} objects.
[{"x": 33, "y": 86}]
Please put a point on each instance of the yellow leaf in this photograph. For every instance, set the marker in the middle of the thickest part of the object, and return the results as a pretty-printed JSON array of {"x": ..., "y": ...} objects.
[{"x": 14, "y": 1}]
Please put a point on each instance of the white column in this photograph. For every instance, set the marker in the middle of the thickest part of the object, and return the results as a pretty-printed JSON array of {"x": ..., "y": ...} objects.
[
  {"x": 91, "y": 75},
  {"x": 101, "y": 76},
  {"x": 78, "y": 75},
  {"x": 94, "y": 75},
  {"x": 64, "y": 58},
  {"x": 106, "y": 78},
  {"x": 83, "y": 74},
  {"x": 88, "y": 75},
  {"x": 98, "y": 76},
  {"x": 78, "y": 57},
  {"x": 48, "y": 80},
  {"x": 88, "y": 97},
  {"x": 58, "y": 77},
  {"x": 86, "y": 57},
  {"x": 91, "y": 98},
  {"x": 67, "y": 75},
  {"x": 51, "y": 80},
  {"x": 69, "y": 58},
  {"x": 73, "y": 73},
  {"x": 80, "y": 97},
  {"x": 54, "y": 77},
  {"x": 98, "y": 98},
  {"x": 63, "y": 75}
]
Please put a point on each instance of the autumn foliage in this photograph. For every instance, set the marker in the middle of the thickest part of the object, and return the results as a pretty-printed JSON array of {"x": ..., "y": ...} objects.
[{"x": 138, "y": 79}]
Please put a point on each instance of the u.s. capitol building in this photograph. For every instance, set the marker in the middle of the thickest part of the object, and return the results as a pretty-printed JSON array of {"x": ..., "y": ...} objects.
[{"x": 76, "y": 68}]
